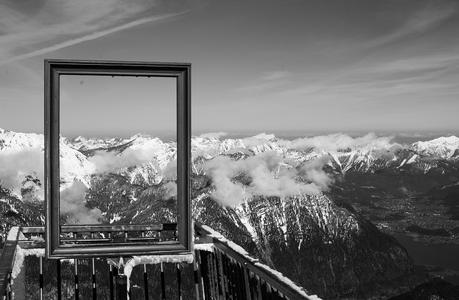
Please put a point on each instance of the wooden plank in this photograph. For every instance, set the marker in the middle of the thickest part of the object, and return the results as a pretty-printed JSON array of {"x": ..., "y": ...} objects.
[
  {"x": 246, "y": 282},
  {"x": 70, "y": 240},
  {"x": 111, "y": 228}
]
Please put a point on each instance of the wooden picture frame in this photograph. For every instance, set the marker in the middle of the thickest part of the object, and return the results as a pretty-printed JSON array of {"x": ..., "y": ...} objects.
[{"x": 53, "y": 68}]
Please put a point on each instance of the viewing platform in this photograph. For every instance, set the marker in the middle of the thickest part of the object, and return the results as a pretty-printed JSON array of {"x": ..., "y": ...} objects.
[{"x": 218, "y": 268}]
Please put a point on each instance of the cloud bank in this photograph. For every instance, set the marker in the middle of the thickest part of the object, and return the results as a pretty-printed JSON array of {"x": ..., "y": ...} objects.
[
  {"x": 264, "y": 174},
  {"x": 213, "y": 135},
  {"x": 15, "y": 166},
  {"x": 29, "y": 31},
  {"x": 105, "y": 161},
  {"x": 339, "y": 141},
  {"x": 72, "y": 204}
]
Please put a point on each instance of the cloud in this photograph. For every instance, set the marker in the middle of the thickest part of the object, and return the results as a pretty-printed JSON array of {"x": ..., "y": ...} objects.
[
  {"x": 88, "y": 37},
  {"x": 339, "y": 141},
  {"x": 258, "y": 139},
  {"x": 213, "y": 135},
  {"x": 105, "y": 161},
  {"x": 66, "y": 23},
  {"x": 170, "y": 190},
  {"x": 313, "y": 171},
  {"x": 419, "y": 22},
  {"x": 221, "y": 170},
  {"x": 170, "y": 171},
  {"x": 382, "y": 79},
  {"x": 15, "y": 166},
  {"x": 72, "y": 204},
  {"x": 267, "y": 81},
  {"x": 275, "y": 75},
  {"x": 264, "y": 174},
  {"x": 379, "y": 75},
  {"x": 271, "y": 174}
]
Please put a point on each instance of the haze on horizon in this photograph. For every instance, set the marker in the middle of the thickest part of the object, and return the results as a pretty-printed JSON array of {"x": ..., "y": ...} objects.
[{"x": 260, "y": 66}]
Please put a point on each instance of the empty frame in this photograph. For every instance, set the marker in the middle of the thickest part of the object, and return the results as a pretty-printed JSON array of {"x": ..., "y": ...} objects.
[{"x": 117, "y": 151}]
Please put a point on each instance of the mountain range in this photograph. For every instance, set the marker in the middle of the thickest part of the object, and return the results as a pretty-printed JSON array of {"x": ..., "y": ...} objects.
[{"x": 319, "y": 209}]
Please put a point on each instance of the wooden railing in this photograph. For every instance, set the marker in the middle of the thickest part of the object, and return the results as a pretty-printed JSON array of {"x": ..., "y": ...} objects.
[
  {"x": 6, "y": 262},
  {"x": 229, "y": 271},
  {"x": 218, "y": 269}
]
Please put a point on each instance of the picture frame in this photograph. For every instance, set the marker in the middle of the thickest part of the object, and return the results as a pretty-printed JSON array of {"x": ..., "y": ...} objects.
[{"x": 55, "y": 249}]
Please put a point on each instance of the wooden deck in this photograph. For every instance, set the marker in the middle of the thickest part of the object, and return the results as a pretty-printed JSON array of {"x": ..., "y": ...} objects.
[{"x": 218, "y": 269}]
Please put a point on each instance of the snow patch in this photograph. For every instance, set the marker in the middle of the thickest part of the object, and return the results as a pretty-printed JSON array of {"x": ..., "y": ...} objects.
[
  {"x": 20, "y": 256},
  {"x": 155, "y": 259},
  {"x": 13, "y": 233},
  {"x": 208, "y": 247}
]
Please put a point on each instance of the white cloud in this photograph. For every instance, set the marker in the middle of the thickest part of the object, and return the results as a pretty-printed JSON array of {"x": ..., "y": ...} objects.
[
  {"x": 378, "y": 77},
  {"x": 15, "y": 166},
  {"x": 170, "y": 190},
  {"x": 420, "y": 21},
  {"x": 65, "y": 23},
  {"x": 267, "y": 81},
  {"x": 267, "y": 174},
  {"x": 258, "y": 139},
  {"x": 275, "y": 75},
  {"x": 213, "y": 135},
  {"x": 170, "y": 171},
  {"x": 313, "y": 171},
  {"x": 339, "y": 141},
  {"x": 105, "y": 161},
  {"x": 73, "y": 204}
]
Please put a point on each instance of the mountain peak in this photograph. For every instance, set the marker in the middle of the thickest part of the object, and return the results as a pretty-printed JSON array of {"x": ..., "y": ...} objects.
[{"x": 442, "y": 146}]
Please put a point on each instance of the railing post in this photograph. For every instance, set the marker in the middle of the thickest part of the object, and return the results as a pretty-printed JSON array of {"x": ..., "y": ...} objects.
[
  {"x": 197, "y": 277},
  {"x": 145, "y": 281},
  {"x": 110, "y": 276},
  {"x": 93, "y": 277},
  {"x": 203, "y": 266},
  {"x": 59, "y": 280},
  {"x": 41, "y": 277},
  {"x": 246, "y": 281},
  {"x": 77, "y": 288},
  {"x": 179, "y": 281},
  {"x": 163, "y": 283},
  {"x": 121, "y": 287}
]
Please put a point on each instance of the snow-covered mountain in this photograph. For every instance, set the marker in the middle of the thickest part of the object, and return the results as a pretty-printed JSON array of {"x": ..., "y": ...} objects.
[
  {"x": 150, "y": 156},
  {"x": 444, "y": 147},
  {"x": 274, "y": 193}
]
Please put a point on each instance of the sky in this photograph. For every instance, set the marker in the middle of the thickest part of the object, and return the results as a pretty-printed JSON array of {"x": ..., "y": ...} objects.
[
  {"x": 117, "y": 106},
  {"x": 258, "y": 66}
]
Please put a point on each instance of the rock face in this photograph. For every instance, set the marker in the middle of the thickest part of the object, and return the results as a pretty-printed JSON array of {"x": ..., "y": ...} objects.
[{"x": 327, "y": 249}]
